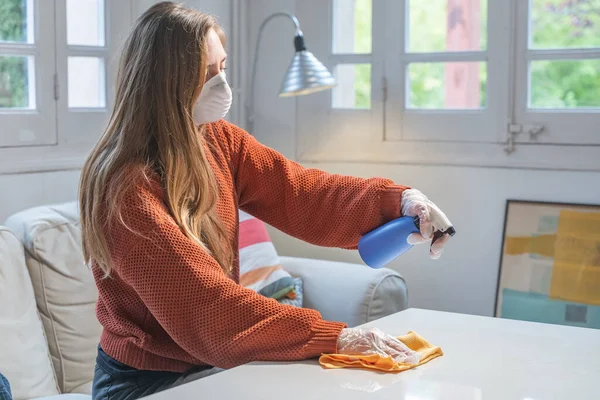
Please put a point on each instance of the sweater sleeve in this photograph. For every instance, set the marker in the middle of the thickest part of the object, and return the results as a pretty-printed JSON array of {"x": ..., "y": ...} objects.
[
  {"x": 312, "y": 205},
  {"x": 204, "y": 311}
]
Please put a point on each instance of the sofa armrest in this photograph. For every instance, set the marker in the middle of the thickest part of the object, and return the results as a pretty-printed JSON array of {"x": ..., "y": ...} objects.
[{"x": 350, "y": 293}]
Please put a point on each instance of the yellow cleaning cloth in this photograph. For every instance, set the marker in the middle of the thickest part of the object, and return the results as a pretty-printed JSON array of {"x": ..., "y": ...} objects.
[{"x": 387, "y": 364}]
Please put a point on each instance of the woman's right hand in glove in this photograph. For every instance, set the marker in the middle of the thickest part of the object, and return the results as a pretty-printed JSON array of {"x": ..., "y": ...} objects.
[
  {"x": 359, "y": 341},
  {"x": 434, "y": 225}
]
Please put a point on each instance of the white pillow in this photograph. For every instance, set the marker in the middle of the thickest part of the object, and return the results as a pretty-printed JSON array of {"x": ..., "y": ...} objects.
[{"x": 24, "y": 357}]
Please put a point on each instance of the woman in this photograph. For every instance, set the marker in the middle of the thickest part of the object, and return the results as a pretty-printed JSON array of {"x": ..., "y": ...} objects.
[{"x": 159, "y": 196}]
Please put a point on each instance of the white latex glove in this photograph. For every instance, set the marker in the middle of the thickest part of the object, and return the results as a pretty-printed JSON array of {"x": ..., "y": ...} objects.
[
  {"x": 433, "y": 222},
  {"x": 357, "y": 341}
]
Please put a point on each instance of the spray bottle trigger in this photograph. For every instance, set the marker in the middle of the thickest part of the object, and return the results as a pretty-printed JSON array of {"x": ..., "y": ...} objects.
[{"x": 417, "y": 222}]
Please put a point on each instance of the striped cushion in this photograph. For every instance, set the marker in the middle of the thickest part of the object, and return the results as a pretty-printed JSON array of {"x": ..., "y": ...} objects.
[{"x": 260, "y": 268}]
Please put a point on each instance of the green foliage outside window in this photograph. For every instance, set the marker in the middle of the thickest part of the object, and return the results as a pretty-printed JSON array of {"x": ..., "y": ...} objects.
[
  {"x": 556, "y": 24},
  {"x": 13, "y": 70}
]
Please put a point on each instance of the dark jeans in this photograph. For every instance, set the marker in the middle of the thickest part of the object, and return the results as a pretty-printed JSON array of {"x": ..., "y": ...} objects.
[
  {"x": 116, "y": 381},
  {"x": 5, "y": 393}
]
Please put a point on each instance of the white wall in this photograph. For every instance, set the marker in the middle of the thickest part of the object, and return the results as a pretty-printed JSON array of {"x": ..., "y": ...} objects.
[
  {"x": 464, "y": 279},
  {"x": 21, "y": 191}
]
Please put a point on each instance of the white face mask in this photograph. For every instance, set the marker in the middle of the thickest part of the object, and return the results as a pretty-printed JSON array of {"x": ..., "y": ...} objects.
[{"x": 214, "y": 100}]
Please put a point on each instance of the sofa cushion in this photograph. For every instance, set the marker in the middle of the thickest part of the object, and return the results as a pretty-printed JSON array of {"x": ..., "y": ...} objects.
[
  {"x": 64, "y": 289},
  {"x": 260, "y": 268},
  {"x": 24, "y": 358},
  {"x": 350, "y": 293}
]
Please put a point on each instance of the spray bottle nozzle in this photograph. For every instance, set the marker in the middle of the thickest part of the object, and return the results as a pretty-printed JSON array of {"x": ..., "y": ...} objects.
[{"x": 450, "y": 231}]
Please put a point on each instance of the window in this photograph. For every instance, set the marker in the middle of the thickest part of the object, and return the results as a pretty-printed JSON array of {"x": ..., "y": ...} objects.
[
  {"x": 54, "y": 71},
  {"x": 558, "y": 80},
  {"x": 442, "y": 70},
  {"x": 354, "y": 88},
  {"x": 454, "y": 81},
  {"x": 437, "y": 31},
  {"x": 352, "y": 42},
  {"x": 27, "y": 107},
  {"x": 83, "y": 57},
  {"x": 86, "y": 54}
]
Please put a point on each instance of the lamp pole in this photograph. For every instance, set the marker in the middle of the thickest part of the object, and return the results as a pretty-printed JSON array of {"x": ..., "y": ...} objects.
[{"x": 250, "y": 100}]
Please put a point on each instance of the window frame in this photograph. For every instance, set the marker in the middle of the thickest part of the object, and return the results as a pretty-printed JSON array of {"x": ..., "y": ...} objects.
[
  {"x": 548, "y": 126},
  {"x": 446, "y": 125},
  {"x": 84, "y": 125},
  {"x": 324, "y": 136},
  {"x": 37, "y": 126}
]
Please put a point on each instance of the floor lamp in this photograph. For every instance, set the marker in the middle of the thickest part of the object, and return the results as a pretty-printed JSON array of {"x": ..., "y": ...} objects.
[{"x": 305, "y": 75}]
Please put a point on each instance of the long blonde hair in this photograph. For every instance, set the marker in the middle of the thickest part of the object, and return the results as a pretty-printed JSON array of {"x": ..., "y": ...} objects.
[{"x": 161, "y": 73}]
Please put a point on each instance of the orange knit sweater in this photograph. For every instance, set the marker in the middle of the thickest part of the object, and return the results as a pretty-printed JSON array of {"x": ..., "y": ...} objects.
[{"x": 169, "y": 306}]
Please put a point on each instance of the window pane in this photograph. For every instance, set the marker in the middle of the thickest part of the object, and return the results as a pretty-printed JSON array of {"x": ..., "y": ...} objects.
[
  {"x": 353, "y": 89},
  {"x": 559, "y": 24},
  {"x": 352, "y": 27},
  {"x": 452, "y": 85},
  {"x": 86, "y": 82},
  {"x": 447, "y": 25},
  {"x": 16, "y": 21},
  {"x": 85, "y": 22},
  {"x": 17, "y": 82},
  {"x": 564, "y": 84}
]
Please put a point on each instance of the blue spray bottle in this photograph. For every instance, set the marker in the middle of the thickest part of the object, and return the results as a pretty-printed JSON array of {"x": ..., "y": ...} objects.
[{"x": 382, "y": 245}]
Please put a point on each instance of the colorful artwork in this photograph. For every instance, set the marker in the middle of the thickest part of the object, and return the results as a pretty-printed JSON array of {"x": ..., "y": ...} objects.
[{"x": 550, "y": 266}]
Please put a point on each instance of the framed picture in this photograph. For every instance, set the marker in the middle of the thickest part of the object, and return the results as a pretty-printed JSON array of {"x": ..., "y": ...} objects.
[{"x": 550, "y": 264}]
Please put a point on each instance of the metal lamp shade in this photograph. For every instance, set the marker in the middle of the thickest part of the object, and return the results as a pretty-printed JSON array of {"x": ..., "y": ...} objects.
[{"x": 305, "y": 75}]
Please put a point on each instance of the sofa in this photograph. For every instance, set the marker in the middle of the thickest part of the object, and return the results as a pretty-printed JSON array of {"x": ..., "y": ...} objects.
[{"x": 48, "y": 329}]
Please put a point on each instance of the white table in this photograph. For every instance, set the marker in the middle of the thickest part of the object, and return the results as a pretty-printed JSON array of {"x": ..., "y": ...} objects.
[{"x": 484, "y": 358}]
